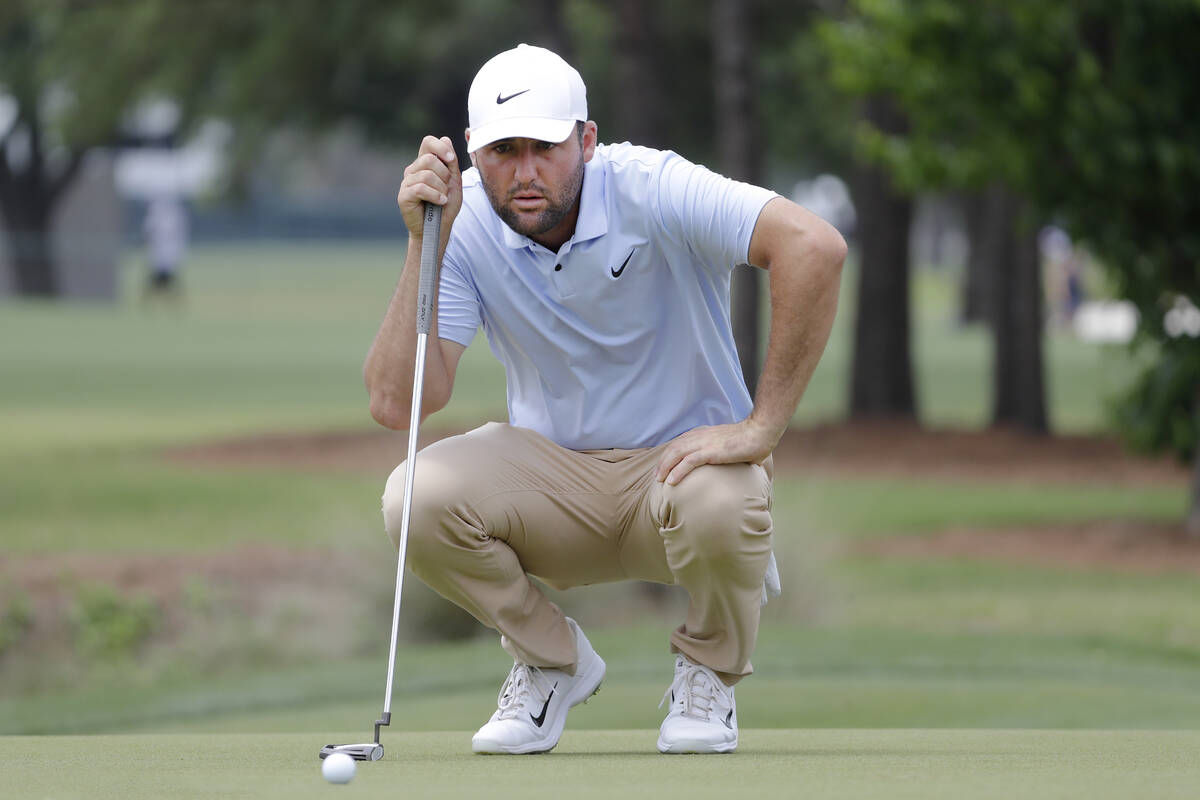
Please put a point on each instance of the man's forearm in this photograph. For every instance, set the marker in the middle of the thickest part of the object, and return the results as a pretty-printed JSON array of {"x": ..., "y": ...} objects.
[
  {"x": 390, "y": 365},
  {"x": 804, "y": 298},
  {"x": 803, "y": 256}
]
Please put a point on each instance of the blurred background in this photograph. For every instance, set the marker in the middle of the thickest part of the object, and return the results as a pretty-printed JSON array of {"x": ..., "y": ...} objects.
[{"x": 988, "y": 505}]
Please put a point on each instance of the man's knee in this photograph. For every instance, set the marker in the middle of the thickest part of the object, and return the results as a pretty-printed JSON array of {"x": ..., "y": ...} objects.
[
  {"x": 717, "y": 507},
  {"x": 436, "y": 498}
]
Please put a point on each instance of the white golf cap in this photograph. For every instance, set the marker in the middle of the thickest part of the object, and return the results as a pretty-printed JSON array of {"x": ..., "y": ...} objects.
[{"x": 528, "y": 92}]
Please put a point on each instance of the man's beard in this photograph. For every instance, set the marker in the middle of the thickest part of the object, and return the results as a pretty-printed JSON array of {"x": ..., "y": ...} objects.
[{"x": 556, "y": 210}]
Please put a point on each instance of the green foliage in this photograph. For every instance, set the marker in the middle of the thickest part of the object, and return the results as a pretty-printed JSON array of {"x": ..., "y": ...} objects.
[
  {"x": 806, "y": 117},
  {"x": 1162, "y": 409},
  {"x": 108, "y": 624},
  {"x": 16, "y": 619},
  {"x": 74, "y": 69},
  {"x": 966, "y": 76},
  {"x": 399, "y": 71},
  {"x": 1086, "y": 108}
]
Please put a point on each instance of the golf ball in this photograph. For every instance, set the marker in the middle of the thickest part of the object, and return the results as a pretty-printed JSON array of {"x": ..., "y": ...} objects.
[{"x": 338, "y": 768}]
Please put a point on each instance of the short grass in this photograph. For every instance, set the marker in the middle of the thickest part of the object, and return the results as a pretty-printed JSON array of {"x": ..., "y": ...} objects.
[
  {"x": 868, "y": 714},
  {"x": 884, "y": 675},
  {"x": 112, "y": 501},
  {"x": 882, "y": 506},
  {"x": 952, "y": 366},
  {"x": 271, "y": 338},
  {"x": 915, "y": 764},
  {"x": 265, "y": 339},
  {"x": 122, "y": 501}
]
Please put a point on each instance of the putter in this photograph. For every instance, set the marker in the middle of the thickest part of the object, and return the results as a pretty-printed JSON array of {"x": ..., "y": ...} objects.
[{"x": 431, "y": 232}]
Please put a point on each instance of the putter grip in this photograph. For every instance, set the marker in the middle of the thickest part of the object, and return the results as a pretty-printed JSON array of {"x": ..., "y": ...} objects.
[{"x": 431, "y": 232}]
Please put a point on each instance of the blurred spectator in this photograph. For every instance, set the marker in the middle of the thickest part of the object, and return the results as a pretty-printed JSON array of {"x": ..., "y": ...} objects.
[
  {"x": 828, "y": 197},
  {"x": 1064, "y": 267},
  {"x": 166, "y": 230},
  {"x": 1183, "y": 319}
]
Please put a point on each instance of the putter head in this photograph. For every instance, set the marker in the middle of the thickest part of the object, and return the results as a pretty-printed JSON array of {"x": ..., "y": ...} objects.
[{"x": 370, "y": 751}]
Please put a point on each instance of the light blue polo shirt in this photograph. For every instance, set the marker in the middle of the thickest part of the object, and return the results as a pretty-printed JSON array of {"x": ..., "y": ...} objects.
[{"x": 621, "y": 339}]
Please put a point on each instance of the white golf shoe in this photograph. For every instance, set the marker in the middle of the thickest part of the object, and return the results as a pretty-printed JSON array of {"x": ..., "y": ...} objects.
[
  {"x": 533, "y": 703},
  {"x": 703, "y": 714}
]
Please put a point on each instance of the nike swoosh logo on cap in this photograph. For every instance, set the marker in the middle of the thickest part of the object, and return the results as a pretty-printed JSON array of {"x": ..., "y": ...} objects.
[{"x": 502, "y": 99}]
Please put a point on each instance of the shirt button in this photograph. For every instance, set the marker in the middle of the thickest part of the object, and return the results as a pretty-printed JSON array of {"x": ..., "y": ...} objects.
[{"x": 558, "y": 267}]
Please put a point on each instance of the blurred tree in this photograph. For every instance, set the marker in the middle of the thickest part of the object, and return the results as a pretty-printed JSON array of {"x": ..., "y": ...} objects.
[
  {"x": 975, "y": 305},
  {"x": 403, "y": 70},
  {"x": 910, "y": 49},
  {"x": 553, "y": 33},
  {"x": 636, "y": 52},
  {"x": 800, "y": 123},
  {"x": 64, "y": 98},
  {"x": 1015, "y": 306},
  {"x": 1162, "y": 410},
  {"x": 1085, "y": 113},
  {"x": 738, "y": 148},
  {"x": 397, "y": 71},
  {"x": 881, "y": 384},
  {"x": 809, "y": 123},
  {"x": 806, "y": 119}
]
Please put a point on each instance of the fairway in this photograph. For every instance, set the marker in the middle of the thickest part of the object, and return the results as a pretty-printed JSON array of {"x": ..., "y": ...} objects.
[{"x": 623, "y": 763}]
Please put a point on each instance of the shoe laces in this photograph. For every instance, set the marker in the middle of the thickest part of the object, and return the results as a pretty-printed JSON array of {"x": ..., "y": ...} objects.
[
  {"x": 523, "y": 682},
  {"x": 695, "y": 692}
]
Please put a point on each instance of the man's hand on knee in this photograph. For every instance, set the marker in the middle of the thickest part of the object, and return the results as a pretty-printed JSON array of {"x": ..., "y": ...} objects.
[{"x": 736, "y": 443}]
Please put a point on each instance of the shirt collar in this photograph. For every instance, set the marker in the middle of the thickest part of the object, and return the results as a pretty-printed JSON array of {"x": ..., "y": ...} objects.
[{"x": 593, "y": 216}]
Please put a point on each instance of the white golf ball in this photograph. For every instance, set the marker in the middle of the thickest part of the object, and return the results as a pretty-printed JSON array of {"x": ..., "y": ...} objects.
[{"x": 338, "y": 768}]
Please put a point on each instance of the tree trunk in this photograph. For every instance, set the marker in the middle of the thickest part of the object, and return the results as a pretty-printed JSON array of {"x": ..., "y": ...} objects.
[
  {"x": 30, "y": 188},
  {"x": 1018, "y": 390},
  {"x": 881, "y": 380},
  {"x": 27, "y": 216},
  {"x": 552, "y": 30},
  {"x": 1193, "y": 520},
  {"x": 737, "y": 156},
  {"x": 638, "y": 118},
  {"x": 976, "y": 306},
  {"x": 33, "y": 265}
]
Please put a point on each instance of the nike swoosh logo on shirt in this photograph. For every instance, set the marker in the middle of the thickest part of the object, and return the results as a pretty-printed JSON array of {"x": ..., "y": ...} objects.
[
  {"x": 616, "y": 273},
  {"x": 502, "y": 99},
  {"x": 540, "y": 718}
]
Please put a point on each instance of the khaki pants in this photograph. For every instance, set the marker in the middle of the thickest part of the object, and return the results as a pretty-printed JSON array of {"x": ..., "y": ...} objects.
[{"x": 493, "y": 506}]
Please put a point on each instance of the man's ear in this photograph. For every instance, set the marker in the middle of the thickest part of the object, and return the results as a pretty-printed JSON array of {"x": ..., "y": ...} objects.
[
  {"x": 467, "y": 135},
  {"x": 591, "y": 136}
]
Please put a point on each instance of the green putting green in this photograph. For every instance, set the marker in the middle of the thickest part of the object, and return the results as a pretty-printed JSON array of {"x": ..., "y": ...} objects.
[{"x": 624, "y": 764}]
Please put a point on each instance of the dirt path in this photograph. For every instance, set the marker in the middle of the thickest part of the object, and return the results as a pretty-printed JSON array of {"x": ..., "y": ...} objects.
[
  {"x": 1122, "y": 546},
  {"x": 832, "y": 449},
  {"x": 880, "y": 449}
]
